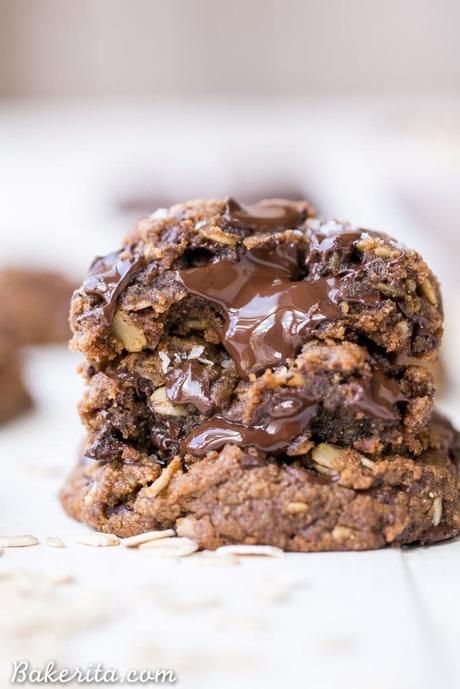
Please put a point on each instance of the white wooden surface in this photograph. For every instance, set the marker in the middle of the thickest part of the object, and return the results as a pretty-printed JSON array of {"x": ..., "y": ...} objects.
[{"x": 377, "y": 620}]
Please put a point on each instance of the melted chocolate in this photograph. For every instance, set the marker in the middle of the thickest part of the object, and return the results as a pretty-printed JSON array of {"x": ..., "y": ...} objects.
[
  {"x": 268, "y": 215},
  {"x": 380, "y": 398},
  {"x": 165, "y": 437},
  {"x": 290, "y": 417},
  {"x": 268, "y": 314},
  {"x": 286, "y": 420},
  {"x": 108, "y": 276},
  {"x": 323, "y": 247},
  {"x": 188, "y": 383}
]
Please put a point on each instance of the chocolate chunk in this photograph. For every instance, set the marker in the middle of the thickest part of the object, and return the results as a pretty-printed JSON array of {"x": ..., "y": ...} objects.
[
  {"x": 286, "y": 421},
  {"x": 105, "y": 447},
  {"x": 380, "y": 398},
  {"x": 108, "y": 277},
  {"x": 268, "y": 215},
  {"x": 165, "y": 436},
  {"x": 291, "y": 414},
  {"x": 268, "y": 314},
  {"x": 188, "y": 383}
]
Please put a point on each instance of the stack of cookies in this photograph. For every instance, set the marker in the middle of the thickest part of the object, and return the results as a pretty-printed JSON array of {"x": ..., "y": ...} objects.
[{"x": 256, "y": 375}]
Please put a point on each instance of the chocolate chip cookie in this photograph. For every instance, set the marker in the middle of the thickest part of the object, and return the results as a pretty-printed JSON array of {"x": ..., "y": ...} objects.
[
  {"x": 222, "y": 336},
  {"x": 334, "y": 498}
]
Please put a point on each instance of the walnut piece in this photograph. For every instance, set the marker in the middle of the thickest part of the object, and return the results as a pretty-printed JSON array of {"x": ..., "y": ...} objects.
[
  {"x": 428, "y": 292},
  {"x": 132, "y": 337},
  {"x": 325, "y": 454},
  {"x": 164, "y": 407}
]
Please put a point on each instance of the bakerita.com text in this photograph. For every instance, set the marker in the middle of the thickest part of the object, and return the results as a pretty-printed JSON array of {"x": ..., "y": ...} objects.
[{"x": 94, "y": 673}]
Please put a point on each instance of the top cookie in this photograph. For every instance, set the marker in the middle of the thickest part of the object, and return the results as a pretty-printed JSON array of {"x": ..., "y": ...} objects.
[{"x": 261, "y": 280}]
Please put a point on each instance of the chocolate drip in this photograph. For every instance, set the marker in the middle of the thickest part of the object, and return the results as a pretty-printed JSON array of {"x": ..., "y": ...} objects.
[
  {"x": 267, "y": 215},
  {"x": 290, "y": 417},
  {"x": 165, "y": 436},
  {"x": 268, "y": 315},
  {"x": 323, "y": 247},
  {"x": 189, "y": 384},
  {"x": 380, "y": 397},
  {"x": 108, "y": 276},
  {"x": 327, "y": 252},
  {"x": 287, "y": 419}
]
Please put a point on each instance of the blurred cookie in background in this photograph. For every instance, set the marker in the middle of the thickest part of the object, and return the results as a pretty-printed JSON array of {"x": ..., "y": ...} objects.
[
  {"x": 141, "y": 203},
  {"x": 14, "y": 397},
  {"x": 438, "y": 371},
  {"x": 34, "y": 305}
]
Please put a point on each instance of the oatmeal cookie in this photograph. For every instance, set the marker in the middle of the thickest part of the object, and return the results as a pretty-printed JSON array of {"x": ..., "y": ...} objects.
[
  {"x": 260, "y": 281},
  {"x": 261, "y": 358},
  {"x": 333, "y": 499}
]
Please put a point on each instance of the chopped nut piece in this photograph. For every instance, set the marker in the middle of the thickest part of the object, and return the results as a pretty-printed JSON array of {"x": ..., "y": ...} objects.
[
  {"x": 17, "y": 541},
  {"x": 366, "y": 242},
  {"x": 367, "y": 462},
  {"x": 165, "y": 361},
  {"x": 296, "y": 507},
  {"x": 146, "y": 537},
  {"x": 341, "y": 532},
  {"x": 185, "y": 526},
  {"x": 196, "y": 352},
  {"x": 437, "y": 511},
  {"x": 217, "y": 235},
  {"x": 97, "y": 539},
  {"x": 132, "y": 337},
  {"x": 386, "y": 252},
  {"x": 389, "y": 290},
  {"x": 161, "y": 404},
  {"x": 195, "y": 324},
  {"x": 325, "y": 470},
  {"x": 403, "y": 329},
  {"x": 296, "y": 380},
  {"x": 428, "y": 292},
  {"x": 325, "y": 454},
  {"x": 164, "y": 478}
]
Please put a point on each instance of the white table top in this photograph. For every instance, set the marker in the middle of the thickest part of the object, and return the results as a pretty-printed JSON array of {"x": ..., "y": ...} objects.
[{"x": 378, "y": 620}]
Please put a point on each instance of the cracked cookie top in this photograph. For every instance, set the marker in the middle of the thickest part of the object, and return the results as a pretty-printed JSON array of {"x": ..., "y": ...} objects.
[{"x": 267, "y": 277}]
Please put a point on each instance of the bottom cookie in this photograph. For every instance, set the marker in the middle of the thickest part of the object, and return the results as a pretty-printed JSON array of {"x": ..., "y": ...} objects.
[{"x": 334, "y": 499}]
